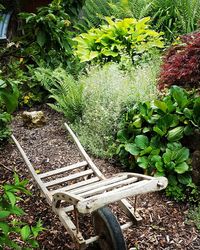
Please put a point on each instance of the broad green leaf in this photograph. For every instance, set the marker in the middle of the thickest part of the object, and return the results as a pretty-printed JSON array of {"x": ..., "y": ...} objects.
[
  {"x": 146, "y": 151},
  {"x": 141, "y": 141},
  {"x": 10, "y": 97},
  {"x": 196, "y": 111},
  {"x": 122, "y": 136},
  {"x": 182, "y": 155},
  {"x": 159, "y": 131},
  {"x": 159, "y": 166},
  {"x": 188, "y": 113},
  {"x": 4, "y": 227},
  {"x": 132, "y": 148},
  {"x": 4, "y": 214},
  {"x": 175, "y": 134},
  {"x": 145, "y": 130},
  {"x": 12, "y": 198},
  {"x": 156, "y": 158},
  {"x": 25, "y": 232},
  {"x": 180, "y": 95},
  {"x": 137, "y": 123},
  {"x": 143, "y": 162},
  {"x": 161, "y": 105},
  {"x": 181, "y": 168},
  {"x": 167, "y": 156},
  {"x": 159, "y": 174},
  {"x": 185, "y": 179}
]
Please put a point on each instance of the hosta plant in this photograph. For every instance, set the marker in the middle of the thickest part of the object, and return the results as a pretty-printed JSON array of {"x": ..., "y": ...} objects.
[
  {"x": 151, "y": 138},
  {"x": 111, "y": 41}
]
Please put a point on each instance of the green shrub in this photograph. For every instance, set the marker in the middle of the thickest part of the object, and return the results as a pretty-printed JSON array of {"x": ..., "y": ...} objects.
[
  {"x": 10, "y": 224},
  {"x": 181, "y": 64},
  {"x": 107, "y": 90},
  {"x": 47, "y": 40},
  {"x": 150, "y": 138},
  {"x": 175, "y": 17},
  {"x": 8, "y": 102},
  {"x": 110, "y": 42}
]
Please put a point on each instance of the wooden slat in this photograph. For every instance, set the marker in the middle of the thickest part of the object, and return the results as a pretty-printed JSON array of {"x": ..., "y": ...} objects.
[
  {"x": 63, "y": 169},
  {"x": 68, "y": 178},
  {"x": 76, "y": 185},
  {"x": 69, "y": 225},
  {"x": 40, "y": 184},
  {"x": 98, "y": 184},
  {"x": 84, "y": 154},
  {"x": 108, "y": 187},
  {"x": 145, "y": 186},
  {"x": 130, "y": 211}
]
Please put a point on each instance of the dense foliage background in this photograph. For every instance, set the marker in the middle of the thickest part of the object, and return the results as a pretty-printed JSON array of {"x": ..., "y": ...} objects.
[{"x": 125, "y": 73}]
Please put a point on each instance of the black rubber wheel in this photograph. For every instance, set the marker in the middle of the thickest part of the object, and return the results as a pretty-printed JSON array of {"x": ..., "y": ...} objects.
[{"x": 108, "y": 229}]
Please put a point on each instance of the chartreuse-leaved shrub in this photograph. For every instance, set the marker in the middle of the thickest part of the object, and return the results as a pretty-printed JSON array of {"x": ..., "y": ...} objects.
[
  {"x": 151, "y": 135},
  {"x": 111, "y": 41},
  {"x": 11, "y": 226}
]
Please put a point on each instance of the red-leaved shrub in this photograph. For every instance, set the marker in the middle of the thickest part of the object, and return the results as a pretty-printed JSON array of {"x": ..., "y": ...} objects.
[{"x": 181, "y": 65}]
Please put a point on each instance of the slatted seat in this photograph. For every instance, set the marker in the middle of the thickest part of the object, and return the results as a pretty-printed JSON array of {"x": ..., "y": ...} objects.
[{"x": 95, "y": 195}]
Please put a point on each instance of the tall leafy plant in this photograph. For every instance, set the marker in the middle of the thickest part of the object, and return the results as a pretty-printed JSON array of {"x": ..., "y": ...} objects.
[
  {"x": 175, "y": 17},
  {"x": 47, "y": 38},
  {"x": 8, "y": 103}
]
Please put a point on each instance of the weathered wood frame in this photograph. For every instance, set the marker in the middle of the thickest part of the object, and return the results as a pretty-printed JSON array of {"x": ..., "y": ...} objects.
[{"x": 94, "y": 192}]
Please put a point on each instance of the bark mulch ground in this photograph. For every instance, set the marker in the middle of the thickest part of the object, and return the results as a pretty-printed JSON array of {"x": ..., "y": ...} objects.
[{"x": 164, "y": 221}]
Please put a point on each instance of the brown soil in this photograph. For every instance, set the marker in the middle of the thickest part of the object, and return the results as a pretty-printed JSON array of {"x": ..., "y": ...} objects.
[{"x": 164, "y": 221}]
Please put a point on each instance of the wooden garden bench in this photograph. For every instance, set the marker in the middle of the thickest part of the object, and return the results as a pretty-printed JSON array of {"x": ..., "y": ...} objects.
[{"x": 81, "y": 188}]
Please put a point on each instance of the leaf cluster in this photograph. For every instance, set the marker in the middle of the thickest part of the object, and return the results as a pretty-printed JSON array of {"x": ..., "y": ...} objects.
[
  {"x": 112, "y": 40},
  {"x": 8, "y": 103},
  {"x": 151, "y": 137},
  {"x": 181, "y": 64},
  {"x": 10, "y": 223},
  {"x": 47, "y": 38}
]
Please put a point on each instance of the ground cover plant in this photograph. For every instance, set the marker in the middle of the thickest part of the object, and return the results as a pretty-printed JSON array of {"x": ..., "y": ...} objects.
[
  {"x": 151, "y": 138},
  {"x": 11, "y": 225}
]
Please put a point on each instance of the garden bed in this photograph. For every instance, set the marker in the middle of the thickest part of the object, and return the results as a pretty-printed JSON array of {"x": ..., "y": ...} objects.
[{"x": 164, "y": 221}]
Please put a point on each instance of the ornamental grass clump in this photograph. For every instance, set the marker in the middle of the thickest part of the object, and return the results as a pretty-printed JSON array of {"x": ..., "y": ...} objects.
[{"x": 107, "y": 91}]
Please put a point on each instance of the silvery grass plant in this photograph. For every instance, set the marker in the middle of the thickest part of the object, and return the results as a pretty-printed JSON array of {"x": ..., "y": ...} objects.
[{"x": 107, "y": 91}]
